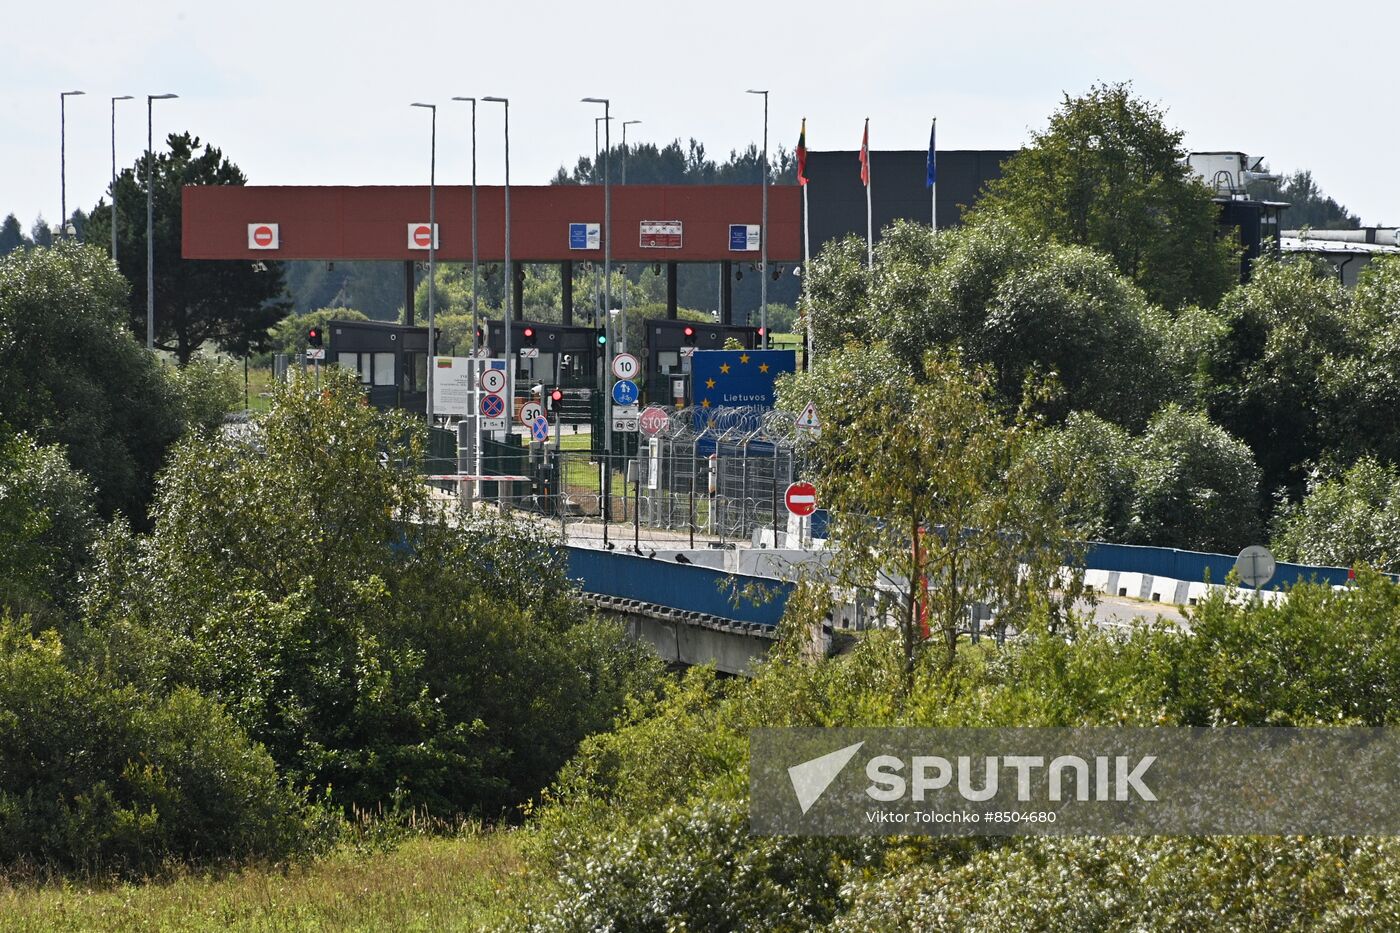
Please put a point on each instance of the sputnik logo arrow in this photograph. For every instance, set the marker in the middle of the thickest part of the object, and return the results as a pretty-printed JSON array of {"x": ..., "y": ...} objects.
[{"x": 811, "y": 778}]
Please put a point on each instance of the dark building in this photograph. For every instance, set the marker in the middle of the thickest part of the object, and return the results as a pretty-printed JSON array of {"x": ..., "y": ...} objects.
[
  {"x": 391, "y": 360},
  {"x": 898, "y": 188}
]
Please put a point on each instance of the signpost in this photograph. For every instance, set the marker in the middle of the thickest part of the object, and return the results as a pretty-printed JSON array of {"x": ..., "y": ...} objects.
[
  {"x": 625, "y": 392},
  {"x": 263, "y": 236},
  {"x": 315, "y": 353},
  {"x": 625, "y": 418},
  {"x": 801, "y": 498},
  {"x": 744, "y": 238},
  {"x": 625, "y": 366},
  {"x": 660, "y": 234},
  {"x": 418, "y": 237},
  {"x": 1255, "y": 566},
  {"x": 529, "y": 353},
  {"x": 653, "y": 421},
  {"x": 493, "y": 380},
  {"x": 585, "y": 236},
  {"x": 531, "y": 411}
]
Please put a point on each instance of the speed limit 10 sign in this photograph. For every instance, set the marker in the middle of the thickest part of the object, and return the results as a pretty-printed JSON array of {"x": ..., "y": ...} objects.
[{"x": 625, "y": 366}]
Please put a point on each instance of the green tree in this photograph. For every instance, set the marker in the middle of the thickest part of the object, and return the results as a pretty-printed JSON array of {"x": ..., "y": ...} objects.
[
  {"x": 1109, "y": 173},
  {"x": 925, "y": 480},
  {"x": 1016, "y": 303},
  {"x": 225, "y": 303},
  {"x": 12, "y": 235},
  {"x": 289, "y": 334},
  {"x": 1345, "y": 520},
  {"x": 73, "y": 374},
  {"x": 1270, "y": 375},
  {"x": 1196, "y": 486},
  {"x": 300, "y": 575},
  {"x": 1308, "y": 205},
  {"x": 47, "y": 526}
]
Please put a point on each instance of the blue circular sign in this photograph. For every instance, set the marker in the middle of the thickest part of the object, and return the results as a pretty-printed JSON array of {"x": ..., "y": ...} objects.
[
  {"x": 492, "y": 405},
  {"x": 625, "y": 392},
  {"x": 539, "y": 429}
]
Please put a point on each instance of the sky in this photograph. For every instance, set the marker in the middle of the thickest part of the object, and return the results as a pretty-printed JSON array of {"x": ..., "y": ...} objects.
[{"x": 311, "y": 93}]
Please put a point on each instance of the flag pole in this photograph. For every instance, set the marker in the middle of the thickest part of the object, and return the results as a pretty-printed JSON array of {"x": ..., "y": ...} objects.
[
  {"x": 869, "y": 216},
  {"x": 933, "y": 174},
  {"x": 806, "y": 271}
]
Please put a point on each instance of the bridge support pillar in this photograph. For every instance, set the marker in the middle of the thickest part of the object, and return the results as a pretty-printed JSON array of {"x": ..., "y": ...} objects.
[
  {"x": 408, "y": 291},
  {"x": 566, "y": 282},
  {"x": 671, "y": 268}
]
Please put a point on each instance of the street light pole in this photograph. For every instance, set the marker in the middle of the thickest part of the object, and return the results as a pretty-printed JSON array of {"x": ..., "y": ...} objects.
[
  {"x": 607, "y": 253},
  {"x": 63, "y": 158},
  {"x": 597, "y": 292},
  {"x": 114, "y": 174},
  {"x": 510, "y": 272},
  {"x": 476, "y": 322},
  {"x": 763, "y": 236},
  {"x": 150, "y": 226},
  {"x": 432, "y": 253},
  {"x": 626, "y": 124}
]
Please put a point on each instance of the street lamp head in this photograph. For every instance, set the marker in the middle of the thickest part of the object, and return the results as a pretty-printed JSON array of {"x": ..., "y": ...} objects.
[
  {"x": 428, "y": 106},
  {"x": 630, "y": 122},
  {"x": 122, "y": 97},
  {"x": 161, "y": 96},
  {"x": 752, "y": 91},
  {"x": 471, "y": 99},
  {"x": 71, "y": 93},
  {"x": 497, "y": 100},
  {"x": 593, "y": 100}
]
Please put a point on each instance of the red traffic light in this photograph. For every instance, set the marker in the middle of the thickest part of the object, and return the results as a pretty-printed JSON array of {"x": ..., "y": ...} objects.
[
  {"x": 557, "y": 395},
  {"x": 690, "y": 332},
  {"x": 529, "y": 332},
  {"x": 313, "y": 337},
  {"x": 761, "y": 331}
]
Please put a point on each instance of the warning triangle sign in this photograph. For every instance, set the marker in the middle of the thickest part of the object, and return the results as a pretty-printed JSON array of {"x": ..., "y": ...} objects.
[{"x": 807, "y": 421}]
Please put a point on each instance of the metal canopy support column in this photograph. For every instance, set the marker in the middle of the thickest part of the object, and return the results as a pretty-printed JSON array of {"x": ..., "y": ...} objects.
[
  {"x": 671, "y": 268},
  {"x": 566, "y": 281},
  {"x": 408, "y": 292},
  {"x": 726, "y": 300},
  {"x": 517, "y": 278}
]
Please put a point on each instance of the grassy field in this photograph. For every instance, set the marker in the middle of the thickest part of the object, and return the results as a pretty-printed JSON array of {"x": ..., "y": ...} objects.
[{"x": 425, "y": 884}]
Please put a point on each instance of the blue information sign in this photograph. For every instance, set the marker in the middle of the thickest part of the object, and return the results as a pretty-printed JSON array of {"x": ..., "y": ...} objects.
[
  {"x": 578, "y": 236},
  {"x": 736, "y": 379},
  {"x": 625, "y": 392},
  {"x": 738, "y": 237}
]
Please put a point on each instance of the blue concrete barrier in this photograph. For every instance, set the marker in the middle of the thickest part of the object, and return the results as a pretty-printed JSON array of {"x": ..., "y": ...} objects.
[
  {"x": 1192, "y": 566},
  {"x": 680, "y": 586}
]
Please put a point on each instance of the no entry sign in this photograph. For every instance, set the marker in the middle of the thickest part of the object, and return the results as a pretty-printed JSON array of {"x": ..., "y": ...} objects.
[
  {"x": 262, "y": 236},
  {"x": 419, "y": 238},
  {"x": 801, "y": 498}
]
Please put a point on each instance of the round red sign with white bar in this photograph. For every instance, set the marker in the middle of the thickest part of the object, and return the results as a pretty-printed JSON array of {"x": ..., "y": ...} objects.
[{"x": 801, "y": 498}]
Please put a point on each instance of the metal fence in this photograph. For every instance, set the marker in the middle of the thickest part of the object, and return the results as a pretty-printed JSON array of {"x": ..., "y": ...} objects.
[{"x": 718, "y": 480}]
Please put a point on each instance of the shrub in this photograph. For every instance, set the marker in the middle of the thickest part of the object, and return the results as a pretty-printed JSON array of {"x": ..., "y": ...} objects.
[{"x": 101, "y": 778}]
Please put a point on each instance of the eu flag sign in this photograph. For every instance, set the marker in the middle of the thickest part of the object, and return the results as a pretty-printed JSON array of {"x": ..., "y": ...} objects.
[{"x": 735, "y": 378}]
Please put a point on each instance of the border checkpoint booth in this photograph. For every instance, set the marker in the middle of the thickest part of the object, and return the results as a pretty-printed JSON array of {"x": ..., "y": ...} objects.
[{"x": 661, "y": 225}]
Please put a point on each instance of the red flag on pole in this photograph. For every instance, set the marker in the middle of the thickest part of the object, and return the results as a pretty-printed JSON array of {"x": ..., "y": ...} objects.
[
  {"x": 802, "y": 154},
  {"x": 865, "y": 155}
]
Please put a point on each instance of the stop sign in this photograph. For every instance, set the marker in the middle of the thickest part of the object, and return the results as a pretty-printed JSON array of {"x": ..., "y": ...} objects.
[
  {"x": 653, "y": 421},
  {"x": 801, "y": 498}
]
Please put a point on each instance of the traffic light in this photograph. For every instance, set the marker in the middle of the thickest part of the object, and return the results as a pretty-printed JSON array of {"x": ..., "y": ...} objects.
[
  {"x": 529, "y": 335},
  {"x": 689, "y": 335},
  {"x": 602, "y": 337},
  {"x": 555, "y": 396},
  {"x": 480, "y": 337},
  {"x": 313, "y": 337}
]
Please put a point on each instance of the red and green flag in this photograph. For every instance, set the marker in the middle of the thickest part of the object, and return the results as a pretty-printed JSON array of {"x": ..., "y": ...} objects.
[{"x": 865, "y": 155}]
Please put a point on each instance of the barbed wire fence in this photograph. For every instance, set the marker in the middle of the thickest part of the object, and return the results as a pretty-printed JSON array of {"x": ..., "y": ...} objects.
[{"x": 706, "y": 478}]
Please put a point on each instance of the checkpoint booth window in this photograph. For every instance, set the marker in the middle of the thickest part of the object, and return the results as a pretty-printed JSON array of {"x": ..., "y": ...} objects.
[
  {"x": 391, "y": 360},
  {"x": 666, "y": 341}
]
